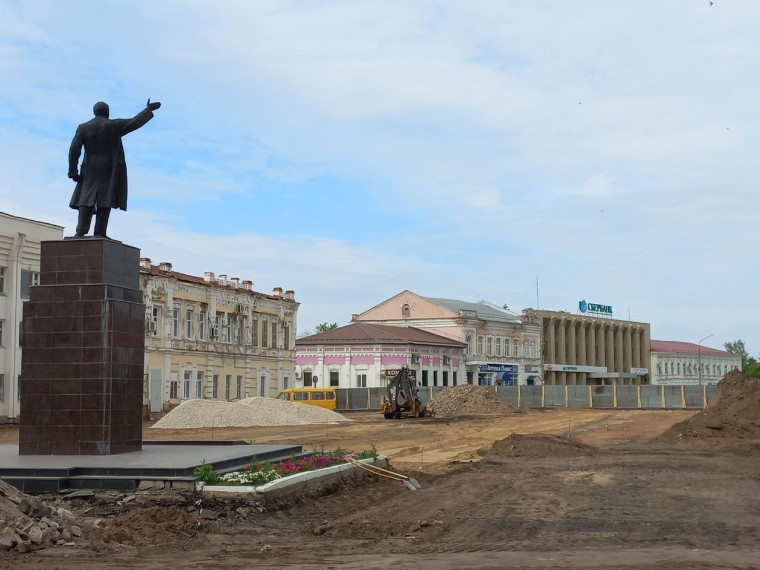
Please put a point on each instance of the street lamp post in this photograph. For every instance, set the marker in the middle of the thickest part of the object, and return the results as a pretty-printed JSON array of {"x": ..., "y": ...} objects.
[{"x": 699, "y": 356}]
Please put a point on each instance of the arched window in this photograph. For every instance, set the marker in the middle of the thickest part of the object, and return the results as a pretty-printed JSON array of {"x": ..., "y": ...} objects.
[{"x": 406, "y": 310}]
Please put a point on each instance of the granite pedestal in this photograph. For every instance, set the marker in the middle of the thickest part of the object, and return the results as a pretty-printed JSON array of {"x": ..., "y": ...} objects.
[{"x": 82, "y": 360}]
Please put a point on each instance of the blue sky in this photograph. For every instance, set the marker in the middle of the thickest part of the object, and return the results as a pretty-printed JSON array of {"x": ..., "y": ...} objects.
[{"x": 349, "y": 150}]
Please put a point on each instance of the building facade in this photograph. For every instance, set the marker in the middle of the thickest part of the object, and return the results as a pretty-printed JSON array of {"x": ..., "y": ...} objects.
[
  {"x": 20, "y": 240},
  {"x": 686, "y": 363},
  {"x": 579, "y": 349},
  {"x": 366, "y": 355},
  {"x": 213, "y": 337},
  {"x": 502, "y": 348}
]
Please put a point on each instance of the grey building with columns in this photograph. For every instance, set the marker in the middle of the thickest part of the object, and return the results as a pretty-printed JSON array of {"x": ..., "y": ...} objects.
[{"x": 578, "y": 349}]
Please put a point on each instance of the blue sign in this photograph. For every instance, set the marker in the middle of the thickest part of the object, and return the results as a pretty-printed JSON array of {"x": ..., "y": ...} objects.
[{"x": 499, "y": 368}]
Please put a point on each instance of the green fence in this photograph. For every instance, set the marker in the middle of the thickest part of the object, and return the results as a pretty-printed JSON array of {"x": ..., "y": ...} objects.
[{"x": 603, "y": 397}]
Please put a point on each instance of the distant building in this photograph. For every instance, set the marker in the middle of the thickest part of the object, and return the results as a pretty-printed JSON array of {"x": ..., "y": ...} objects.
[
  {"x": 578, "y": 349},
  {"x": 501, "y": 347},
  {"x": 684, "y": 363},
  {"x": 19, "y": 269},
  {"x": 366, "y": 355},
  {"x": 213, "y": 337}
]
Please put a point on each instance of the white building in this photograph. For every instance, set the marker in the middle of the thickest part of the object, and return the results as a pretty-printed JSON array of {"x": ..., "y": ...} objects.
[
  {"x": 365, "y": 355},
  {"x": 20, "y": 240},
  {"x": 683, "y": 363}
]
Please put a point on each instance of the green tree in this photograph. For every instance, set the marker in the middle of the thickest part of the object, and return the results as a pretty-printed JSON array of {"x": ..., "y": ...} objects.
[
  {"x": 324, "y": 327},
  {"x": 737, "y": 347}
]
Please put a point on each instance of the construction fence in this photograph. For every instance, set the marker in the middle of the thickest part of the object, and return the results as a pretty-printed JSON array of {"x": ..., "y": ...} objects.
[{"x": 604, "y": 397}]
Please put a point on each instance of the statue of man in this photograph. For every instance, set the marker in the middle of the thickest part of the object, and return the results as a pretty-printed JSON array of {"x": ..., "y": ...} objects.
[{"x": 102, "y": 180}]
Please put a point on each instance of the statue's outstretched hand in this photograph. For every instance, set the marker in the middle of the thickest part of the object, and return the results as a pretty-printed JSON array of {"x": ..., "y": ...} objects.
[{"x": 153, "y": 106}]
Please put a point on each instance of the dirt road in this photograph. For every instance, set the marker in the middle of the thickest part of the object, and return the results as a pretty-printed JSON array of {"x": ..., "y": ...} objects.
[{"x": 560, "y": 489}]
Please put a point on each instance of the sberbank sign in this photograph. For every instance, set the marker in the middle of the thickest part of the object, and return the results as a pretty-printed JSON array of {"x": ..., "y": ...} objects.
[{"x": 595, "y": 308}]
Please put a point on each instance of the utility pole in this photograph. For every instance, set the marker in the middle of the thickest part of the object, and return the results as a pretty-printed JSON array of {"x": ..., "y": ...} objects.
[{"x": 699, "y": 357}]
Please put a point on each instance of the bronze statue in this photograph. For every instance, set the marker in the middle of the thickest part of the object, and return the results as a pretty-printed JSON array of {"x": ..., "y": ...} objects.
[{"x": 102, "y": 180}]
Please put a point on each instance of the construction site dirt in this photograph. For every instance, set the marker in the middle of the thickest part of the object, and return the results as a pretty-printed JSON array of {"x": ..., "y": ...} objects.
[{"x": 554, "y": 488}]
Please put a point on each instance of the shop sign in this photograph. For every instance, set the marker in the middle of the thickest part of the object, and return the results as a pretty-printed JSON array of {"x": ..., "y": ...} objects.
[
  {"x": 595, "y": 308},
  {"x": 498, "y": 368}
]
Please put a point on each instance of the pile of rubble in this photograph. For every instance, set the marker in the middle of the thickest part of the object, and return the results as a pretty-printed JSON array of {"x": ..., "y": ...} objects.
[
  {"x": 244, "y": 413},
  {"x": 27, "y": 524},
  {"x": 734, "y": 412},
  {"x": 468, "y": 399}
]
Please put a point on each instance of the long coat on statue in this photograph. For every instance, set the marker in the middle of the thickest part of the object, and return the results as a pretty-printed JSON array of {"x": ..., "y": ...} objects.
[{"x": 103, "y": 177}]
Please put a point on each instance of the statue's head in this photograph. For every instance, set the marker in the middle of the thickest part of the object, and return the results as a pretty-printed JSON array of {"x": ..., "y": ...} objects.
[{"x": 101, "y": 109}]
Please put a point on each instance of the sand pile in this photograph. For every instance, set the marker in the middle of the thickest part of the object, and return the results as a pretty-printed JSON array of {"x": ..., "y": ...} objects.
[
  {"x": 538, "y": 446},
  {"x": 468, "y": 399},
  {"x": 734, "y": 412},
  {"x": 245, "y": 413}
]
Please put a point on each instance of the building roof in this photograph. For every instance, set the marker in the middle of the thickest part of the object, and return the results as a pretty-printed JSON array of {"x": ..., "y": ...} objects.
[
  {"x": 686, "y": 347},
  {"x": 365, "y": 333},
  {"x": 485, "y": 311}
]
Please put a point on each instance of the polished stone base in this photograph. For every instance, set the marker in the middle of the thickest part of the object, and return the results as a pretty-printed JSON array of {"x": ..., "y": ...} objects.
[{"x": 82, "y": 360}]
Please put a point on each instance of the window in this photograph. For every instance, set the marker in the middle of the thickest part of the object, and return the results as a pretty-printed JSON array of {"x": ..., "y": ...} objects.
[
  {"x": 1, "y": 333},
  {"x": 506, "y": 347},
  {"x": 424, "y": 377},
  {"x": 480, "y": 344},
  {"x": 2, "y": 280},
  {"x": 202, "y": 325},
  {"x": 190, "y": 323},
  {"x": 307, "y": 378},
  {"x": 215, "y": 386},
  {"x": 361, "y": 380},
  {"x": 255, "y": 331},
  {"x": 173, "y": 387},
  {"x": 334, "y": 378},
  {"x": 497, "y": 348},
  {"x": 199, "y": 385},
  {"x": 175, "y": 322},
  {"x": 435, "y": 378},
  {"x": 226, "y": 333},
  {"x": 227, "y": 386},
  {"x": 263, "y": 333},
  {"x": 286, "y": 336},
  {"x": 217, "y": 324},
  {"x": 239, "y": 329},
  {"x": 2, "y": 385},
  {"x": 454, "y": 378},
  {"x": 515, "y": 346},
  {"x": 156, "y": 320},
  {"x": 406, "y": 310},
  {"x": 301, "y": 396},
  {"x": 445, "y": 377},
  {"x": 28, "y": 279},
  {"x": 186, "y": 385},
  {"x": 239, "y": 387},
  {"x": 469, "y": 344},
  {"x": 274, "y": 334},
  {"x": 489, "y": 346}
]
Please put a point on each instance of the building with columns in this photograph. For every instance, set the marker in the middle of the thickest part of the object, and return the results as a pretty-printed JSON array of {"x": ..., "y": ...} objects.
[
  {"x": 214, "y": 337},
  {"x": 579, "y": 349},
  {"x": 20, "y": 240}
]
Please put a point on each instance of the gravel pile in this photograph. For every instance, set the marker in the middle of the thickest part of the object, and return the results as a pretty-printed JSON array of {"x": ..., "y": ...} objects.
[
  {"x": 468, "y": 399},
  {"x": 244, "y": 413}
]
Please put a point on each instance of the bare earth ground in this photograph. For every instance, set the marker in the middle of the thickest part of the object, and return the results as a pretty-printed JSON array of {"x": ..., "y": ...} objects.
[{"x": 564, "y": 488}]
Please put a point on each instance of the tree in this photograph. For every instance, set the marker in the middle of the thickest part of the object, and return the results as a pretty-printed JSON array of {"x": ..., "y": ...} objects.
[
  {"x": 324, "y": 327},
  {"x": 737, "y": 347}
]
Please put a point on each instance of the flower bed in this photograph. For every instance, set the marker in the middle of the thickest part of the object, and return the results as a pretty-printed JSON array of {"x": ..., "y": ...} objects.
[{"x": 256, "y": 474}]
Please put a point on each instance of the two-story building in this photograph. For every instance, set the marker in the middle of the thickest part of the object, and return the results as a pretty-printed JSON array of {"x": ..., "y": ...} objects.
[
  {"x": 214, "y": 337},
  {"x": 20, "y": 240},
  {"x": 502, "y": 348},
  {"x": 686, "y": 363}
]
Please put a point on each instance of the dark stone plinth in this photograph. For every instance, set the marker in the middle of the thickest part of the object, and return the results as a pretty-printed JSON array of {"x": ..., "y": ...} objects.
[{"x": 82, "y": 359}]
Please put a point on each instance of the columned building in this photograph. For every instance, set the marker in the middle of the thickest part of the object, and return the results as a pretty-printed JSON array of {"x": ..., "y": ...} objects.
[
  {"x": 214, "y": 337},
  {"x": 585, "y": 350},
  {"x": 20, "y": 240}
]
